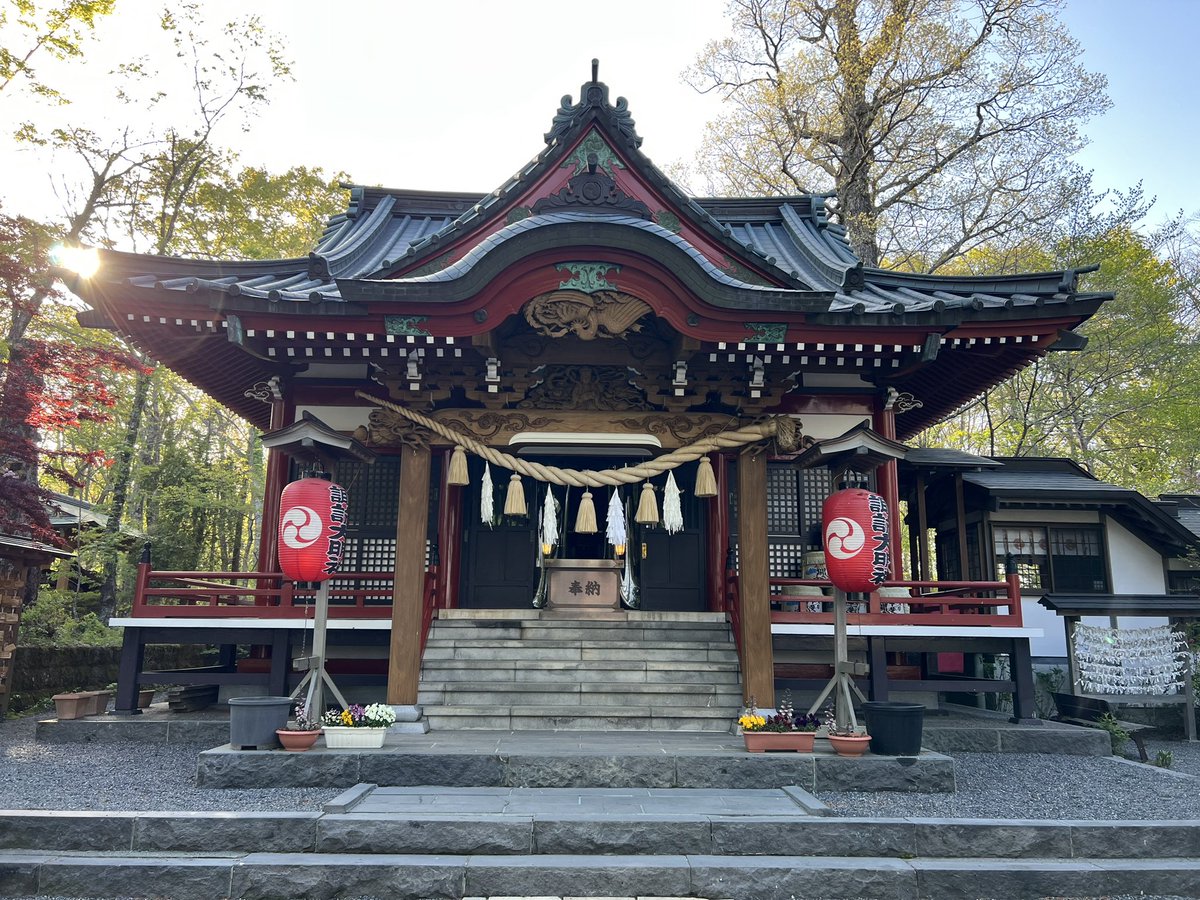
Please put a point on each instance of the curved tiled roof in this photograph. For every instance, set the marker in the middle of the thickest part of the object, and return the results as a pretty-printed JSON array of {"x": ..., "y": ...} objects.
[{"x": 382, "y": 228}]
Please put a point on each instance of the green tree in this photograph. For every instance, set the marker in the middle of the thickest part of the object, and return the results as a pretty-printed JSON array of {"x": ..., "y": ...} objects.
[
  {"x": 29, "y": 31},
  {"x": 941, "y": 125},
  {"x": 1124, "y": 407}
]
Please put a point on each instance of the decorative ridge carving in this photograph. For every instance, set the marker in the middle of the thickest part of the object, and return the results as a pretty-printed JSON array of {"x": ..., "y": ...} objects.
[
  {"x": 593, "y": 96},
  {"x": 592, "y": 191}
]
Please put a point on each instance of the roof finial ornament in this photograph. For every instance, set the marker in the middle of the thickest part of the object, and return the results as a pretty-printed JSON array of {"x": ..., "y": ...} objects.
[{"x": 595, "y": 70}]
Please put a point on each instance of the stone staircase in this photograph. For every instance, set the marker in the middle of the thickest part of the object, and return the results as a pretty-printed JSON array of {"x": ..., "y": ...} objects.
[
  {"x": 535, "y": 670},
  {"x": 447, "y": 843}
]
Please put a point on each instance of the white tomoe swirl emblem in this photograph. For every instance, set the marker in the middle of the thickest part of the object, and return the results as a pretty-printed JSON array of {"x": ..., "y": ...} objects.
[
  {"x": 301, "y": 527},
  {"x": 844, "y": 538}
]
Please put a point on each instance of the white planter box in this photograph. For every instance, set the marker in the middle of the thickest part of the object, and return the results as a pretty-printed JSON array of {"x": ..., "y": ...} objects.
[{"x": 342, "y": 738}]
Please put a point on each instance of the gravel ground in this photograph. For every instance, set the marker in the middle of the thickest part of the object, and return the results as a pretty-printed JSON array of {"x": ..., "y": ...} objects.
[
  {"x": 123, "y": 776},
  {"x": 990, "y": 785},
  {"x": 1043, "y": 786}
]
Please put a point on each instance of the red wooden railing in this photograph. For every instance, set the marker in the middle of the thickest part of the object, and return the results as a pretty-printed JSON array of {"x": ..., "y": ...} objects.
[
  {"x": 939, "y": 603},
  {"x": 429, "y": 604},
  {"x": 265, "y": 595}
]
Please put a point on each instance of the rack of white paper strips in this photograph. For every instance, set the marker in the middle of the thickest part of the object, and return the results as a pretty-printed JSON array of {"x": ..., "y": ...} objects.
[{"x": 1130, "y": 660}]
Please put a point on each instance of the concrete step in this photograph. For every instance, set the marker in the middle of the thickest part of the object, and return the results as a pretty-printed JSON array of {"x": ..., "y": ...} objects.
[
  {"x": 469, "y": 693},
  {"x": 747, "y": 822},
  {"x": 491, "y": 640},
  {"x": 575, "y": 672},
  {"x": 484, "y": 651},
  {"x": 289, "y": 875},
  {"x": 550, "y": 717},
  {"x": 590, "y": 631}
]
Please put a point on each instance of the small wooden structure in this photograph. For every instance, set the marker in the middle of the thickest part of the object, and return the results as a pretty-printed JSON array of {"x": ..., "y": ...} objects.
[
  {"x": 1072, "y": 608},
  {"x": 17, "y": 555}
]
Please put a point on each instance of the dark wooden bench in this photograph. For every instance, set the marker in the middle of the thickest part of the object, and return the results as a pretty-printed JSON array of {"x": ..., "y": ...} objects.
[{"x": 1078, "y": 710}]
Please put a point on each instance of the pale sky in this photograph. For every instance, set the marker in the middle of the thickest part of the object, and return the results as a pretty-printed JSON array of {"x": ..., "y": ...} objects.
[{"x": 456, "y": 95}]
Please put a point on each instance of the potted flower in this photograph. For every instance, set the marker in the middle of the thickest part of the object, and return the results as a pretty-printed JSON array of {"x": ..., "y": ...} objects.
[
  {"x": 783, "y": 730},
  {"x": 301, "y": 734},
  {"x": 358, "y": 727},
  {"x": 843, "y": 738}
]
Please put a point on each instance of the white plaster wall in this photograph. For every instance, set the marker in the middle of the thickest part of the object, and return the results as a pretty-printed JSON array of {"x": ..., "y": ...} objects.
[
  {"x": 339, "y": 418},
  {"x": 1136, "y": 567},
  {"x": 821, "y": 427}
]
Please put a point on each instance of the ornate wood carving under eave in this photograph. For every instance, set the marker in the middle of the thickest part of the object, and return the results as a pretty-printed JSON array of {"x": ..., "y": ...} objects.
[
  {"x": 601, "y": 314},
  {"x": 497, "y": 428},
  {"x": 586, "y": 387},
  {"x": 388, "y": 429}
]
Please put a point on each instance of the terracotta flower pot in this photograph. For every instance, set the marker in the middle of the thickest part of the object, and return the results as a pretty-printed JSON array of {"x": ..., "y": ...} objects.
[
  {"x": 792, "y": 741},
  {"x": 850, "y": 744},
  {"x": 297, "y": 741},
  {"x": 72, "y": 705},
  {"x": 145, "y": 698}
]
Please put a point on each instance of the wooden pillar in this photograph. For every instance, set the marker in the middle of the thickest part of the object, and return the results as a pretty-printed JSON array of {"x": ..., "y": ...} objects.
[
  {"x": 450, "y": 522},
  {"x": 281, "y": 663},
  {"x": 718, "y": 534},
  {"x": 408, "y": 592},
  {"x": 274, "y": 481},
  {"x": 1069, "y": 624},
  {"x": 133, "y": 652},
  {"x": 758, "y": 668},
  {"x": 1024, "y": 707},
  {"x": 923, "y": 573},
  {"x": 877, "y": 652},
  {"x": 887, "y": 481},
  {"x": 960, "y": 515}
]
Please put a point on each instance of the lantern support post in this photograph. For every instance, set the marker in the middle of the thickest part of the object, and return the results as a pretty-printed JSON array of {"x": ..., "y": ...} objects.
[
  {"x": 316, "y": 677},
  {"x": 841, "y": 685}
]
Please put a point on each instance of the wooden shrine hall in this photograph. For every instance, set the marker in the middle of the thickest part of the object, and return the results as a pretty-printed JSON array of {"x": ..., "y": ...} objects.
[{"x": 585, "y": 317}]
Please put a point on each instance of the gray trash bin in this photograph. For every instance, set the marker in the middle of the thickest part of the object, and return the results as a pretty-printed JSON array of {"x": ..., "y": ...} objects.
[{"x": 254, "y": 720}]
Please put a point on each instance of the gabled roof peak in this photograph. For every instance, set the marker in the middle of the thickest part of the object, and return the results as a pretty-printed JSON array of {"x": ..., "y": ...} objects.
[{"x": 593, "y": 103}]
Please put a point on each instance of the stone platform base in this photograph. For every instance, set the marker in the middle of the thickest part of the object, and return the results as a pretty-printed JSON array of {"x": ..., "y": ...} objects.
[{"x": 577, "y": 760}]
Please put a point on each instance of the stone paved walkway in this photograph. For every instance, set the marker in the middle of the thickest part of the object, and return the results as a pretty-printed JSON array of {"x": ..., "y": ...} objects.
[{"x": 590, "y": 802}]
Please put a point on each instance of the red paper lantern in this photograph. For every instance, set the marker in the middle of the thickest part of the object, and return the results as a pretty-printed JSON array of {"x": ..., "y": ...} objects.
[
  {"x": 312, "y": 528},
  {"x": 857, "y": 546}
]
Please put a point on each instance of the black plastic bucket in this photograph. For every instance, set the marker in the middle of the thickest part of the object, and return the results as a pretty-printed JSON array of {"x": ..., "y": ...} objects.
[
  {"x": 895, "y": 728},
  {"x": 253, "y": 721}
]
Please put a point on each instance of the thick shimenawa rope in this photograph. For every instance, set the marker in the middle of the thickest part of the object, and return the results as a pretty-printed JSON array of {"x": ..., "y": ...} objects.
[{"x": 783, "y": 429}]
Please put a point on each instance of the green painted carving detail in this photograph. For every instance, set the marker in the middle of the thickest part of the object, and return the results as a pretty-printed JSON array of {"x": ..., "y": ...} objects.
[
  {"x": 605, "y": 157},
  {"x": 405, "y": 325},
  {"x": 589, "y": 277},
  {"x": 430, "y": 267},
  {"x": 733, "y": 270},
  {"x": 517, "y": 213},
  {"x": 767, "y": 332},
  {"x": 668, "y": 220}
]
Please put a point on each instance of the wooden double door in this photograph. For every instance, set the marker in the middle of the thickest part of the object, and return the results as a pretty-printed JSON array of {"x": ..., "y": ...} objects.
[{"x": 500, "y": 568}]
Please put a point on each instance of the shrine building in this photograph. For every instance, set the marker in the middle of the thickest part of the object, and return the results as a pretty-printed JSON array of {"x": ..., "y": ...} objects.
[{"x": 585, "y": 319}]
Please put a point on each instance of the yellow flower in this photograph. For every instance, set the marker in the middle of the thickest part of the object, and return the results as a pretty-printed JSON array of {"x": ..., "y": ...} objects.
[
  {"x": 751, "y": 722},
  {"x": 346, "y": 719}
]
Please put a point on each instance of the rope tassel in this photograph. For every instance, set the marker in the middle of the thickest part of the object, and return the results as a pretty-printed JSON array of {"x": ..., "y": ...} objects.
[
  {"x": 706, "y": 480},
  {"x": 458, "y": 468},
  {"x": 647, "y": 511},
  {"x": 514, "y": 501},
  {"x": 585, "y": 518}
]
